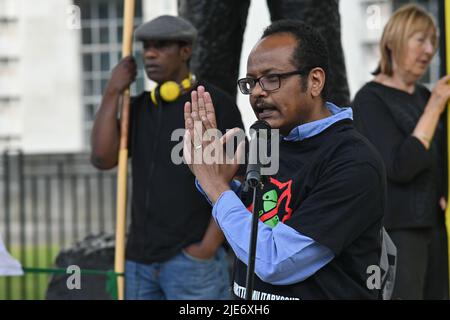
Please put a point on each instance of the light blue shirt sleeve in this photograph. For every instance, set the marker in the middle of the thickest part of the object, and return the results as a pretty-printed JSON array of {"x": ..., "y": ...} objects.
[
  {"x": 235, "y": 186},
  {"x": 283, "y": 255}
]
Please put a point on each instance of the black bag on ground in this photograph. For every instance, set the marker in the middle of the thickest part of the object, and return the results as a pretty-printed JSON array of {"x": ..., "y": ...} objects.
[{"x": 95, "y": 252}]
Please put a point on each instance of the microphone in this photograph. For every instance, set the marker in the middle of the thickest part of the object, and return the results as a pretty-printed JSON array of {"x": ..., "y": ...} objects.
[{"x": 259, "y": 136}]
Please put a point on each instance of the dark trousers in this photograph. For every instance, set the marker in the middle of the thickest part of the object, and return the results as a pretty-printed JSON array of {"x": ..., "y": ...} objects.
[
  {"x": 436, "y": 282},
  {"x": 422, "y": 271}
]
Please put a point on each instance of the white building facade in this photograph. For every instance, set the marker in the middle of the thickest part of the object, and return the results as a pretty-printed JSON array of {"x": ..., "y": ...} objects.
[{"x": 56, "y": 56}]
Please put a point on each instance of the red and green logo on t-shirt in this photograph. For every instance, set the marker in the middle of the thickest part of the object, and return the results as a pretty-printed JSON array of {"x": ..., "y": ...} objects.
[{"x": 275, "y": 202}]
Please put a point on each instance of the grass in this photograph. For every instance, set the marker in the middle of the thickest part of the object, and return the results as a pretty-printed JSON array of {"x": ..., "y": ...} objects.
[{"x": 31, "y": 286}]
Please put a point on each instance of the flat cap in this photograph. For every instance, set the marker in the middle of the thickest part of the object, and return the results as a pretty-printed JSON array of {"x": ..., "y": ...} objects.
[{"x": 167, "y": 28}]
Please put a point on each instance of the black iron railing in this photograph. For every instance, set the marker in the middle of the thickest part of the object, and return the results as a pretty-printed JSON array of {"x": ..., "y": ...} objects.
[{"x": 50, "y": 202}]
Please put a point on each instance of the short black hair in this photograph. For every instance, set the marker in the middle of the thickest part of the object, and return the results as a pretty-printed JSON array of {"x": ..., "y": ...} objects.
[{"x": 311, "y": 51}]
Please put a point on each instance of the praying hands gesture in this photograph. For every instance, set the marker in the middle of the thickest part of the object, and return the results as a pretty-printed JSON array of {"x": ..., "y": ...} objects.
[{"x": 204, "y": 147}]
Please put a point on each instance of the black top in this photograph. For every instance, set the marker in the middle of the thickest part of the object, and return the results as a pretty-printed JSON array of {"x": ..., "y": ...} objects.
[
  {"x": 168, "y": 213},
  {"x": 331, "y": 188},
  {"x": 415, "y": 175}
]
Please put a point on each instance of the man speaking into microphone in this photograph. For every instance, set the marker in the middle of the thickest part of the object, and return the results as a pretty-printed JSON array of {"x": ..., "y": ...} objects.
[{"x": 321, "y": 213}]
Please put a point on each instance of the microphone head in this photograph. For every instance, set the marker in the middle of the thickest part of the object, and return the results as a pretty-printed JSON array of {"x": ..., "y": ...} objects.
[{"x": 260, "y": 124}]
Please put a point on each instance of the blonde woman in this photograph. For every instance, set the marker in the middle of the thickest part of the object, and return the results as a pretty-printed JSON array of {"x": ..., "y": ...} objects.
[{"x": 403, "y": 120}]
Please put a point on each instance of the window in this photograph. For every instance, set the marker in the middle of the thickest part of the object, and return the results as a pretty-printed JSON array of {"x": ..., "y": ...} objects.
[{"x": 101, "y": 50}]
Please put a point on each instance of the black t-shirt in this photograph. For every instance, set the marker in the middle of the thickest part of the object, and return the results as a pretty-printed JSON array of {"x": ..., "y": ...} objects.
[
  {"x": 415, "y": 176},
  {"x": 331, "y": 188},
  {"x": 167, "y": 213}
]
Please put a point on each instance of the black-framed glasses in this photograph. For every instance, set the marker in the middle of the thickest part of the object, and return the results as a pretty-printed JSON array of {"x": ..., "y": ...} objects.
[{"x": 268, "y": 82}]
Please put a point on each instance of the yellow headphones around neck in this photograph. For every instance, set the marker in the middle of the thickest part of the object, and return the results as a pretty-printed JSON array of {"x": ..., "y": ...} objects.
[{"x": 170, "y": 90}]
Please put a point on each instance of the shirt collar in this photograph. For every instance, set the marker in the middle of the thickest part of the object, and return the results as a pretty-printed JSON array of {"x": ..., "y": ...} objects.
[{"x": 313, "y": 128}]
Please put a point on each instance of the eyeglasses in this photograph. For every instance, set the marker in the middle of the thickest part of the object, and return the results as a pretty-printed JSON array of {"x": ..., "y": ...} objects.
[{"x": 268, "y": 82}]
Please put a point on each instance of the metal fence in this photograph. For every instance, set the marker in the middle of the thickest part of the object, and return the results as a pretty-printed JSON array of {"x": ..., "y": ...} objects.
[{"x": 49, "y": 203}]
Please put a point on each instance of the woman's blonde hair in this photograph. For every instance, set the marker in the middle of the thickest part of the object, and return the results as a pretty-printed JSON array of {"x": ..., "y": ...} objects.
[{"x": 406, "y": 21}]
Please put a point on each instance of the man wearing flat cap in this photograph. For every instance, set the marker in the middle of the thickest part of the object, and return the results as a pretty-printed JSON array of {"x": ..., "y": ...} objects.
[{"x": 174, "y": 249}]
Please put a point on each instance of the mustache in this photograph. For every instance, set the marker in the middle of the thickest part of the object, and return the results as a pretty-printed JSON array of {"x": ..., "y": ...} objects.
[{"x": 261, "y": 104}]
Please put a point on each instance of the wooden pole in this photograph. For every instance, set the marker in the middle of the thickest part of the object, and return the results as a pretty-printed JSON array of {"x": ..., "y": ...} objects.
[
  {"x": 447, "y": 55},
  {"x": 119, "y": 262}
]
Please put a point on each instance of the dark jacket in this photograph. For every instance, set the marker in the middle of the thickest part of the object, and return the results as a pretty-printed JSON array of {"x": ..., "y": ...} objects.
[{"x": 416, "y": 176}]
